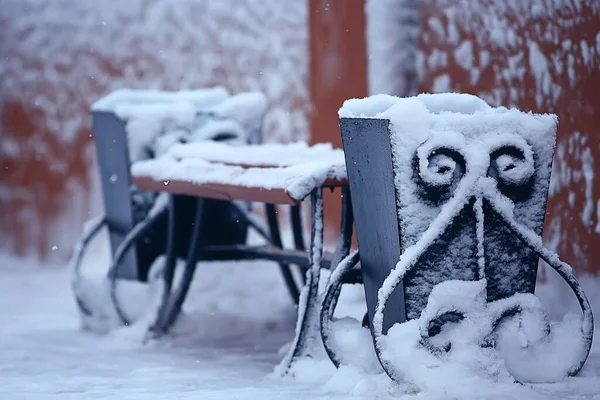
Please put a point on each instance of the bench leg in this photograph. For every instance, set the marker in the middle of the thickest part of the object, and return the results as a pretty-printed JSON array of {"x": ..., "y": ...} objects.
[
  {"x": 296, "y": 220},
  {"x": 341, "y": 265},
  {"x": 115, "y": 271},
  {"x": 338, "y": 277},
  {"x": 307, "y": 330},
  {"x": 168, "y": 269},
  {"x": 345, "y": 236},
  {"x": 172, "y": 301},
  {"x": 286, "y": 272}
]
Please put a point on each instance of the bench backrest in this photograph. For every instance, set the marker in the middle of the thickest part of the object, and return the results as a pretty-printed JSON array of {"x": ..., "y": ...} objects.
[
  {"x": 152, "y": 117},
  {"x": 393, "y": 207}
]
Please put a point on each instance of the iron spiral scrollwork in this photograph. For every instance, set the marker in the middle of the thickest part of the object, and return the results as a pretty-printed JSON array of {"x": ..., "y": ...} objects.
[{"x": 494, "y": 173}]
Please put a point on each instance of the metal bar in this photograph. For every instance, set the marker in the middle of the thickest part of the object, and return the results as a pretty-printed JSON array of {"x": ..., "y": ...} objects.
[
  {"x": 298, "y": 232},
  {"x": 338, "y": 278},
  {"x": 81, "y": 247},
  {"x": 113, "y": 271},
  {"x": 265, "y": 252},
  {"x": 345, "y": 237},
  {"x": 177, "y": 299},
  {"x": 296, "y": 217},
  {"x": 253, "y": 222},
  {"x": 276, "y": 240},
  {"x": 169, "y": 267},
  {"x": 308, "y": 315}
]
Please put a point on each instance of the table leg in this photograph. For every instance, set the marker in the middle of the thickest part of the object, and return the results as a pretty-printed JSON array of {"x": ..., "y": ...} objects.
[
  {"x": 286, "y": 272},
  {"x": 298, "y": 232},
  {"x": 307, "y": 331},
  {"x": 173, "y": 301},
  {"x": 346, "y": 226},
  {"x": 341, "y": 264},
  {"x": 168, "y": 270}
]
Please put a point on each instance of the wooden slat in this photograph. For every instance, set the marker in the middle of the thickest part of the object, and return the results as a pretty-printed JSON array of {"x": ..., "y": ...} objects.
[{"x": 221, "y": 191}]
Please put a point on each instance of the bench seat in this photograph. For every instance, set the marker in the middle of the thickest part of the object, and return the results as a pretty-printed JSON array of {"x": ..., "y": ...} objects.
[{"x": 269, "y": 173}]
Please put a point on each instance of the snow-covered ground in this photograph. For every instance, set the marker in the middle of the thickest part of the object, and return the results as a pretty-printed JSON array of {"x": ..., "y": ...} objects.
[{"x": 237, "y": 324}]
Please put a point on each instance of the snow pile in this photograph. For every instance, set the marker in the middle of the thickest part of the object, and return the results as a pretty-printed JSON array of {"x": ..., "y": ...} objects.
[
  {"x": 126, "y": 98},
  {"x": 470, "y": 369},
  {"x": 138, "y": 300},
  {"x": 526, "y": 347}
]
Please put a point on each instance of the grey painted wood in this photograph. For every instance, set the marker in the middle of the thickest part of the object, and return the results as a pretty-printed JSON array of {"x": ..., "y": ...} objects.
[
  {"x": 113, "y": 161},
  {"x": 370, "y": 173}
]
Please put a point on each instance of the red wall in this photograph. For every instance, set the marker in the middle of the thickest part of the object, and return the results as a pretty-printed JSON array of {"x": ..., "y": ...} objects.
[{"x": 338, "y": 71}]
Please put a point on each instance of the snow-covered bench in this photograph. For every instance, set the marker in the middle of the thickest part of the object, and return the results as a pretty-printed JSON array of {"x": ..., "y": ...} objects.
[
  {"x": 269, "y": 173},
  {"x": 179, "y": 170},
  {"x": 449, "y": 196},
  {"x": 274, "y": 174}
]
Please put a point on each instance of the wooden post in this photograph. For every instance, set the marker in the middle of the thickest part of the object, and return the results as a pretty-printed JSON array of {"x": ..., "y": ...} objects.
[{"x": 338, "y": 71}]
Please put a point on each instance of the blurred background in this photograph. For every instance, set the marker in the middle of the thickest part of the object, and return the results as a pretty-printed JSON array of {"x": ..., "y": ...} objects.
[{"x": 307, "y": 56}]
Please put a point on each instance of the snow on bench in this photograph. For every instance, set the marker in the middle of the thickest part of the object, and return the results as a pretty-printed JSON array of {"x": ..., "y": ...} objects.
[{"x": 271, "y": 173}]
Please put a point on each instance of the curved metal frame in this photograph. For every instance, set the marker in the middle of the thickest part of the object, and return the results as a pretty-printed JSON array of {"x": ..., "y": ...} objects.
[
  {"x": 298, "y": 233},
  {"x": 309, "y": 305},
  {"x": 338, "y": 277},
  {"x": 531, "y": 240},
  {"x": 273, "y": 237},
  {"x": 134, "y": 235},
  {"x": 80, "y": 249},
  {"x": 286, "y": 272},
  {"x": 172, "y": 302},
  {"x": 310, "y": 313}
]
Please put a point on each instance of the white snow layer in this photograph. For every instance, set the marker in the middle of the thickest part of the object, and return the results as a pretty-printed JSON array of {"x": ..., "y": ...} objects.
[
  {"x": 269, "y": 154},
  {"x": 306, "y": 168},
  {"x": 156, "y": 120},
  {"x": 226, "y": 346}
]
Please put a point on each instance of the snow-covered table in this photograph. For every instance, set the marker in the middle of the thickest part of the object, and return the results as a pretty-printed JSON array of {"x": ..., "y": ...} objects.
[{"x": 274, "y": 174}]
